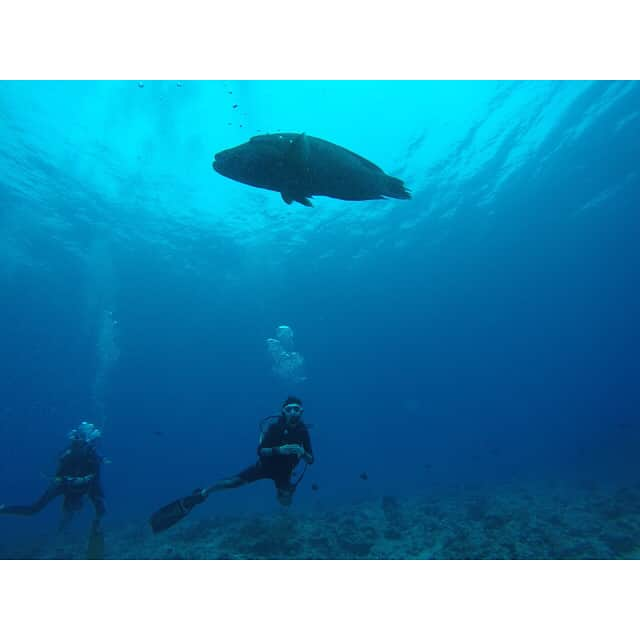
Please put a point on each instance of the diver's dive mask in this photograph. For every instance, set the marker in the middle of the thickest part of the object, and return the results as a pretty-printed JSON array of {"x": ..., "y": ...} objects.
[{"x": 293, "y": 410}]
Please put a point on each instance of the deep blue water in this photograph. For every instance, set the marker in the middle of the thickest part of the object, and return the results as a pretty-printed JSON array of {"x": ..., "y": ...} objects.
[{"x": 486, "y": 328}]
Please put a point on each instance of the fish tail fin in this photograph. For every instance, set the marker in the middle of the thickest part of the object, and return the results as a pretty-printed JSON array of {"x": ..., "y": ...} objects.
[{"x": 396, "y": 189}]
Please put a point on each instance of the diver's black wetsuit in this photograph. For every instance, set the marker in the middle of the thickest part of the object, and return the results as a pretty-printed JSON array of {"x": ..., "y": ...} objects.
[
  {"x": 78, "y": 461},
  {"x": 276, "y": 467}
]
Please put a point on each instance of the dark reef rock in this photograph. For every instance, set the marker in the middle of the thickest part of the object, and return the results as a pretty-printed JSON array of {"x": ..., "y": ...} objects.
[
  {"x": 619, "y": 543},
  {"x": 503, "y": 522}
]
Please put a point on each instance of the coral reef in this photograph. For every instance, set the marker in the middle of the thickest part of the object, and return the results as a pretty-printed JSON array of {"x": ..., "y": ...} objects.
[{"x": 508, "y": 522}]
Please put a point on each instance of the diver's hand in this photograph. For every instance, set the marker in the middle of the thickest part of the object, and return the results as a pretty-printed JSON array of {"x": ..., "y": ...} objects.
[
  {"x": 78, "y": 482},
  {"x": 291, "y": 450}
]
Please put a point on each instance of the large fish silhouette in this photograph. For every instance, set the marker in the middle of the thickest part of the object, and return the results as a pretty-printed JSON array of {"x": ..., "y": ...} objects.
[{"x": 301, "y": 166}]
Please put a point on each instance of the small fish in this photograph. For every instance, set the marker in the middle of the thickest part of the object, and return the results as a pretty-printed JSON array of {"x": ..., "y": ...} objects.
[
  {"x": 428, "y": 467},
  {"x": 235, "y": 106},
  {"x": 158, "y": 433},
  {"x": 314, "y": 487},
  {"x": 364, "y": 476}
]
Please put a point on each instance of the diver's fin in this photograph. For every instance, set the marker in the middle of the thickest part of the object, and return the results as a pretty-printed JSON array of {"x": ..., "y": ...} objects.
[
  {"x": 173, "y": 512},
  {"x": 287, "y": 198},
  {"x": 95, "y": 548}
]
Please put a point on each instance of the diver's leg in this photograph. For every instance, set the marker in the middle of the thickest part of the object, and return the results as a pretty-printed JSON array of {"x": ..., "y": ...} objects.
[
  {"x": 284, "y": 491},
  {"x": 65, "y": 520},
  {"x": 72, "y": 503},
  {"x": 52, "y": 492},
  {"x": 62, "y": 531},
  {"x": 95, "y": 546},
  {"x": 250, "y": 474},
  {"x": 228, "y": 483},
  {"x": 96, "y": 495}
]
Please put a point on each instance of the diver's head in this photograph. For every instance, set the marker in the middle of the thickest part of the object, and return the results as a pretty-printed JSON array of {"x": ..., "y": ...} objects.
[
  {"x": 292, "y": 409},
  {"x": 84, "y": 433}
]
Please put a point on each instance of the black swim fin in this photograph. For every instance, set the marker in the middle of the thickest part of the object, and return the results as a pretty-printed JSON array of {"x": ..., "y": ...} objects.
[
  {"x": 173, "y": 512},
  {"x": 95, "y": 548}
]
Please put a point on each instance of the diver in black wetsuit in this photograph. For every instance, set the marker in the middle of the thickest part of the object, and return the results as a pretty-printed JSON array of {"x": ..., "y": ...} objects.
[
  {"x": 280, "y": 448},
  {"x": 78, "y": 474}
]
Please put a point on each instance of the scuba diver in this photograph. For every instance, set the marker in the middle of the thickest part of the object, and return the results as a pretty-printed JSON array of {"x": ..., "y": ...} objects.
[
  {"x": 285, "y": 442},
  {"x": 78, "y": 474}
]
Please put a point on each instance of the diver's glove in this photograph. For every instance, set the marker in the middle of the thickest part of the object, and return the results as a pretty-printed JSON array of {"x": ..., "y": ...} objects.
[
  {"x": 291, "y": 450},
  {"x": 81, "y": 481}
]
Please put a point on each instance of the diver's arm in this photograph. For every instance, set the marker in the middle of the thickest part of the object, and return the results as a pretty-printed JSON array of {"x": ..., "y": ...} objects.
[
  {"x": 94, "y": 470},
  {"x": 283, "y": 450},
  {"x": 61, "y": 471},
  {"x": 63, "y": 477},
  {"x": 308, "y": 451},
  {"x": 268, "y": 452},
  {"x": 265, "y": 451},
  {"x": 276, "y": 451},
  {"x": 95, "y": 461},
  {"x": 78, "y": 481}
]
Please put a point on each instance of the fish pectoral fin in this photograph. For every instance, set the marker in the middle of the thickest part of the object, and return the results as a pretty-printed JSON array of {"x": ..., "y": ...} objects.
[{"x": 290, "y": 197}]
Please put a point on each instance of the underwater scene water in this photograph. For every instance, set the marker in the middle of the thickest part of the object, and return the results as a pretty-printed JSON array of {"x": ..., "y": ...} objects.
[{"x": 468, "y": 359}]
